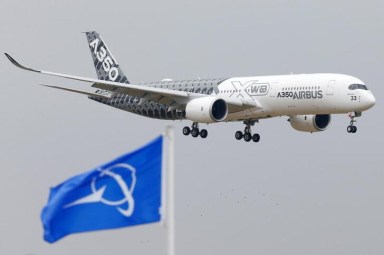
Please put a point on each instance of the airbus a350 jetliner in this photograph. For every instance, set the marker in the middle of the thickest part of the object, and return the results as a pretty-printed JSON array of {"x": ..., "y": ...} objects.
[{"x": 307, "y": 99}]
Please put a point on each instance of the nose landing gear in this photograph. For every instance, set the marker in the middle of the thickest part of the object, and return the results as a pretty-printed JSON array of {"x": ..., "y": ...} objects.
[
  {"x": 194, "y": 131},
  {"x": 352, "y": 128},
  {"x": 247, "y": 135}
]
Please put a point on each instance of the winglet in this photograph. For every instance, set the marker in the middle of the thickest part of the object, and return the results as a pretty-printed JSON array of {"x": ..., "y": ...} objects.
[{"x": 13, "y": 61}]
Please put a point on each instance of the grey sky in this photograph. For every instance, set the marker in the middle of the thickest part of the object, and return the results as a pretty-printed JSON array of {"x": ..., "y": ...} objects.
[{"x": 293, "y": 193}]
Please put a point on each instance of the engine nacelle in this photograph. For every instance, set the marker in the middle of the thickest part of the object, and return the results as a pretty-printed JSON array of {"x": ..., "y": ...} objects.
[
  {"x": 206, "y": 110},
  {"x": 310, "y": 123}
]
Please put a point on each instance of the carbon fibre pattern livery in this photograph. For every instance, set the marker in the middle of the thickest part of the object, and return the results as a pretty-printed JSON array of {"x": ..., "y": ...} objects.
[
  {"x": 154, "y": 109},
  {"x": 98, "y": 48},
  {"x": 108, "y": 69}
]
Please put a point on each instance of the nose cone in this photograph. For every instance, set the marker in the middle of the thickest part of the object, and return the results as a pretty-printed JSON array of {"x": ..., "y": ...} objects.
[{"x": 370, "y": 101}]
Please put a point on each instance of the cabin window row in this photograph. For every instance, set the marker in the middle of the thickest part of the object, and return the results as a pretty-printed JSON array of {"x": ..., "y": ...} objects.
[{"x": 301, "y": 88}]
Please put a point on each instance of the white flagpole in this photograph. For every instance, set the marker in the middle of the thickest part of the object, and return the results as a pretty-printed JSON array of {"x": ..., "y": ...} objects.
[{"x": 170, "y": 195}]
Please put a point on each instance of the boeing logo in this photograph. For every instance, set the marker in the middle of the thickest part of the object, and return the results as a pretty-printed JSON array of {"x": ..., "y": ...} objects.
[{"x": 118, "y": 185}]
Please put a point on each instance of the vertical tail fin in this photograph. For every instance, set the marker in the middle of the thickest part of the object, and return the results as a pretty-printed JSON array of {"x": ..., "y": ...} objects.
[{"x": 106, "y": 66}]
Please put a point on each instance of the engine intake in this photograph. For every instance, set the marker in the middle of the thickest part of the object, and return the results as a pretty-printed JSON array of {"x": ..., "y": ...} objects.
[
  {"x": 310, "y": 123},
  {"x": 206, "y": 110}
]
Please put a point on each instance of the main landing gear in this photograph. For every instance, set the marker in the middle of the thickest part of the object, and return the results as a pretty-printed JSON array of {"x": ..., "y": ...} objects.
[
  {"x": 352, "y": 128},
  {"x": 194, "y": 131},
  {"x": 247, "y": 135}
]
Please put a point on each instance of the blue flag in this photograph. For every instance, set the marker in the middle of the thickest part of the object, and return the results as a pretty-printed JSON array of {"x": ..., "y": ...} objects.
[{"x": 124, "y": 192}]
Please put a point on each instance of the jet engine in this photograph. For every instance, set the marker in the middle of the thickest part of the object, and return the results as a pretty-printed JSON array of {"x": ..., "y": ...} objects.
[
  {"x": 310, "y": 123},
  {"x": 206, "y": 110}
]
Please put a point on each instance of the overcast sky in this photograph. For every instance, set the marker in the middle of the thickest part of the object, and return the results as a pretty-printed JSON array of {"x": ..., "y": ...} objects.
[{"x": 292, "y": 193}]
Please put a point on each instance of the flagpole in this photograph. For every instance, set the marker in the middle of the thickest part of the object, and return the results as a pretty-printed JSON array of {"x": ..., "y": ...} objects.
[{"x": 170, "y": 197}]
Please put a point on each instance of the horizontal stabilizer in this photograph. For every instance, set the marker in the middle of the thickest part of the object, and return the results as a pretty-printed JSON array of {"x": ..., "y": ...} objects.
[{"x": 76, "y": 91}]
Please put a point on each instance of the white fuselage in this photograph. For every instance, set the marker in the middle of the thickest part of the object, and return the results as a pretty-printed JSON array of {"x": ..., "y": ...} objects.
[{"x": 296, "y": 94}]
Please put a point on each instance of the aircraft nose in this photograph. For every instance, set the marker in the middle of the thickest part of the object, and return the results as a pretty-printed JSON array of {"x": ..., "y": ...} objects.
[{"x": 371, "y": 101}]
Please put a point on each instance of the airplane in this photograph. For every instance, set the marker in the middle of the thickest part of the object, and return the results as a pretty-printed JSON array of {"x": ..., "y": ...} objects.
[{"x": 307, "y": 99}]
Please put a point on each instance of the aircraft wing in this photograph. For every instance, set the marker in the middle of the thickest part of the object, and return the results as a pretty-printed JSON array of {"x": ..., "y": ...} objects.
[{"x": 173, "y": 98}]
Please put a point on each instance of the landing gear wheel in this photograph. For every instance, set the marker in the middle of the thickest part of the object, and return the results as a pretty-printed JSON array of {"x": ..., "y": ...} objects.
[
  {"x": 247, "y": 134},
  {"x": 351, "y": 129},
  {"x": 247, "y": 137},
  {"x": 186, "y": 131},
  {"x": 195, "y": 132},
  {"x": 256, "y": 138},
  {"x": 239, "y": 135},
  {"x": 203, "y": 133},
  {"x": 353, "y": 115}
]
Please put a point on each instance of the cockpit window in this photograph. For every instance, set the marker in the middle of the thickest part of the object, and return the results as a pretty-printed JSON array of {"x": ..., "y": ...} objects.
[{"x": 357, "y": 86}]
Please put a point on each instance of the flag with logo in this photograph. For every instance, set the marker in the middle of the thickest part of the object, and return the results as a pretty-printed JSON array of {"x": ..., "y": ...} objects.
[{"x": 124, "y": 192}]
